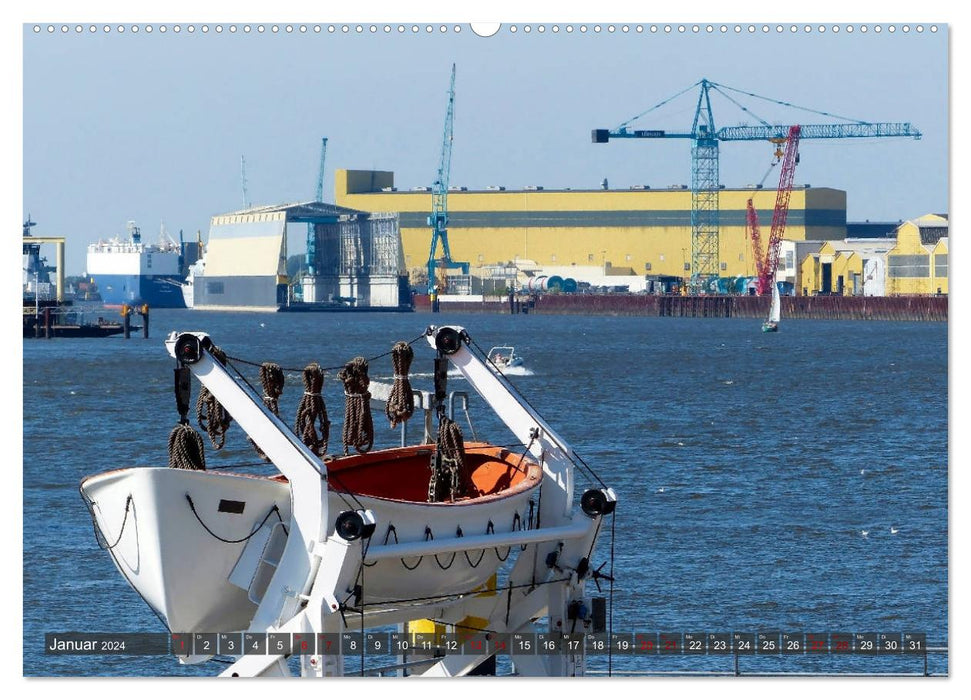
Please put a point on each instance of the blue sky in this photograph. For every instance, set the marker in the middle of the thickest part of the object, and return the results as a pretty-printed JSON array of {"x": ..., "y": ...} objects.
[{"x": 151, "y": 127}]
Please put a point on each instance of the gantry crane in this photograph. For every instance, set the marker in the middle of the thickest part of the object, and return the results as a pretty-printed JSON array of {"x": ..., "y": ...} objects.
[
  {"x": 705, "y": 138},
  {"x": 438, "y": 220},
  {"x": 767, "y": 264},
  {"x": 319, "y": 197}
]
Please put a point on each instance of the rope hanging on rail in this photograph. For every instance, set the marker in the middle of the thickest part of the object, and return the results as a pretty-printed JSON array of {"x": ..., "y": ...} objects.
[
  {"x": 448, "y": 464},
  {"x": 186, "y": 450},
  {"x": 312, "y": 412},
  {"x": 211, "y": 415},
  {"x": 358, "y": 424},
  {"x": 401, "y": 402},
  {"x": 272, "y": 379}
]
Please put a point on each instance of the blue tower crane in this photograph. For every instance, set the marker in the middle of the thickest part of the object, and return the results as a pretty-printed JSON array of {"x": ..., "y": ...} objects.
[
  {"x": 319, "y": 197},
  {"x": 438, "y": 220},
  {"x": 705, "y": 138}
]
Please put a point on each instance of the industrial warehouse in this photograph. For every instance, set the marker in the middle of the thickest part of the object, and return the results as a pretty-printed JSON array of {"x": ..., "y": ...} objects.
[
  {"x": 601, "y": 237},
  {"x": 632, "y": 238},
  {"x": 369, "y": 251},
  {"x": 353, "y": 260},
  {"x": 372, "y": 249}
]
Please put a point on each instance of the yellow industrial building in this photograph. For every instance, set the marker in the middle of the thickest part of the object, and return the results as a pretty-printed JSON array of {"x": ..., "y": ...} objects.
[
  {"x": 602, "y": 235},
  {"x": 913, "y": 261},
  {"x": 633, "y": 232}
]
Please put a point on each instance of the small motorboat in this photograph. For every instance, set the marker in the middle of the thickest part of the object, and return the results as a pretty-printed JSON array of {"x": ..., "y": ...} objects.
[
  {"x": 358, "y": 542},
  {"x": 504, "y": 357}
]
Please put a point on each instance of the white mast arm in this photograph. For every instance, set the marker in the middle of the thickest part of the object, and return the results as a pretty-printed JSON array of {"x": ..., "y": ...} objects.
[
  {"x": 302, "y": 468},
  {"x": 549, "y": 449}
]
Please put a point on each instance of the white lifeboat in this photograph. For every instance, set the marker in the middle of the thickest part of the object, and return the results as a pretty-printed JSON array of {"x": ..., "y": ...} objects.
[
  {"x": 356, "y": 537},
  {"x": 200, "y": 547}
]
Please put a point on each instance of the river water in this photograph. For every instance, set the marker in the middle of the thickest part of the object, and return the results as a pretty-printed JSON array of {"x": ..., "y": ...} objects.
[{"x": 747, "y": 468}]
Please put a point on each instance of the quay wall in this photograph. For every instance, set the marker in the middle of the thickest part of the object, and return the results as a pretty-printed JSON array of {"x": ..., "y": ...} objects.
[{"x": 901, "y": 308}]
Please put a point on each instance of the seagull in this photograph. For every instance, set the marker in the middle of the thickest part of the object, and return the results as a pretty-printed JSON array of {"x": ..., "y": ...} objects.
[
  {"x": 660, "y": 490},
  {"x": 262, "y": 325},
  {"x": 862, "y": 472},
  {"x": 864, "y": 532},
  {"x": 893, "y": 530}
]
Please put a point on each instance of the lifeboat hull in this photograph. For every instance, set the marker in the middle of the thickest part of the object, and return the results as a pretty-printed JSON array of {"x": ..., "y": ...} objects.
[{"x": 199, "y": 547}]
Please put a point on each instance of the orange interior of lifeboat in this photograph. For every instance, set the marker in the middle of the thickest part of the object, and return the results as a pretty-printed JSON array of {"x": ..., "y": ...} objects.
[{"x": 403, "y": 474}]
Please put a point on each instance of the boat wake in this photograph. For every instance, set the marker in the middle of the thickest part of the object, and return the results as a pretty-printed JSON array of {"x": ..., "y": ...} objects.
[{"x": 508, "y": 371}]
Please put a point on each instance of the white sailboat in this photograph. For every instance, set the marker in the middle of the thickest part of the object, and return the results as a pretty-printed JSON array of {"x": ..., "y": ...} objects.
[{"x": 771, "y": 324}]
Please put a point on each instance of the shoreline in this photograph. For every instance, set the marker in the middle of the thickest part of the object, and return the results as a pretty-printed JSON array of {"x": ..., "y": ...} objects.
[{"x": 901, "y": 308}]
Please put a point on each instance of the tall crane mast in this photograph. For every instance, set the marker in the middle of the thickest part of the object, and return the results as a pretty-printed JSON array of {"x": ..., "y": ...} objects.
[
  {"x": 320, "y": 170},
  {"x": 766, "y": 265},
  {"x": 438, "y": 220},
  {"x": 705, "y": 138},
  {"x": 319, "y": 197},
  {"x": 242, "y": 177}
]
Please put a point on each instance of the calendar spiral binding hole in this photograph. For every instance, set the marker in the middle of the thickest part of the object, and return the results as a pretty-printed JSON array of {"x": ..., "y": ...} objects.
[{"x": 377, "y": 29}]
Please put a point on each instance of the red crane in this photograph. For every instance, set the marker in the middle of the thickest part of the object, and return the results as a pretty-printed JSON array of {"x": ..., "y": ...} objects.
[{"x": 766, "y": 265}]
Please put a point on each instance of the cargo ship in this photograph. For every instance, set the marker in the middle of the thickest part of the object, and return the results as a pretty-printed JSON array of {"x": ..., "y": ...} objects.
[{"x": 133, "y": 272}]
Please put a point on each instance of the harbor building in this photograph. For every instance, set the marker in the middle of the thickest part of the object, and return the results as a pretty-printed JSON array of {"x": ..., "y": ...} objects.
[
  {"x": 353, "y": 260},
  {"x": 912, "y": 261},
  {"x": 604, "y": 236}
]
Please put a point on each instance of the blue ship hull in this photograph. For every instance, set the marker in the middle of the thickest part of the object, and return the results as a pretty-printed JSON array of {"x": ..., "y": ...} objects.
[{"x": 158, "y": 291}]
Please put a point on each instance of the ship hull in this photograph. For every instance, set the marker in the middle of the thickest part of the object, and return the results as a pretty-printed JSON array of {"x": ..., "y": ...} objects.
[
  {"x": 158, "y": 291},
  {"x": 201, "y": 547}
]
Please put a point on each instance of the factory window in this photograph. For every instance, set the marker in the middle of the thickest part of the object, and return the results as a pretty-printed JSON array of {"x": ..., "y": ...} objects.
[
  {"x": 687, "y": 266},
  {"x": 908, "y": 266},
  {"x": 940, "y": 265},
  {"x": 481, "y": 257},
  {"x": 724, "y": 266},
  {"x": 647, "y": 266},
  {"x": 790, "y": 259},
  {"x": 627, "y": 257},
  {"x": 661, "y": 256},
  {"x": 214, "y": 288},
  {"x": 553, "y": 258},
  {"x": 741, "y": 257},
  {"x": 589, "y": 257}
]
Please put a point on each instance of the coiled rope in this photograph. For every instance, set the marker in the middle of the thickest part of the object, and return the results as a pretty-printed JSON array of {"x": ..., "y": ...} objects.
[
  {"x": 272, "y": 379},
  {"x": 212, "y": 417},
  {"x": 186, "y": 450},
  {"x": 448, "y": 464},
  {"x": 312, "y": 412},
  {"x": 401, "y": 402},
  {"x": 358, "y": 424}
]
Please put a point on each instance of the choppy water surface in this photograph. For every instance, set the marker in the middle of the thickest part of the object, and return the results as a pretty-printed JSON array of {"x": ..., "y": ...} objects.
[{"x": 747, "y": 466}]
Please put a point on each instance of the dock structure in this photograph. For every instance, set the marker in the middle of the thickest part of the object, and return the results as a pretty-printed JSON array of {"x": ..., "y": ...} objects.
[
  {"x": 900, "y": 308},
  {"x": 31, "y": 245},
  {"x": 355, "y": 262}
]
